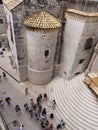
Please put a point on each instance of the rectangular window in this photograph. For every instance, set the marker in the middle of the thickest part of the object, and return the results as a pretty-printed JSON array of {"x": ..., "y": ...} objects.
[
  {"x": 1, "y": 21},
  {"x": 1, "y": 2},
  {"x": 81, "y": 61},
  {"x": 46, "y": 53}
]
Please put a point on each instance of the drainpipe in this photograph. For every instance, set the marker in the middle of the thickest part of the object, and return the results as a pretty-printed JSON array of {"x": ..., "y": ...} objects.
[{"x": 61, "y": 31}]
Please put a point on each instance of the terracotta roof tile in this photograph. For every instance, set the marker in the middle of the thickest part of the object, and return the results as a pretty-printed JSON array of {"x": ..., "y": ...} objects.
[{"x": 42, "y": 20}]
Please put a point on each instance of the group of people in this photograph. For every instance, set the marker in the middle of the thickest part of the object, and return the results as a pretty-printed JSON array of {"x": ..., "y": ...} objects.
[{"x": 37, "y": 111}]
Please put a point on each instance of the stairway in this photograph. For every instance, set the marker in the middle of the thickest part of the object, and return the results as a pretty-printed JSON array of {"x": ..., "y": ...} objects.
[{"x": 76, "y": 103}]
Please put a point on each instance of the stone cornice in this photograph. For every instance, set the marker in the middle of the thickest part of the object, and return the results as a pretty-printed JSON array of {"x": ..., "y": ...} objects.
[
  {"x": 82, "y": 13},
  {"x": 82, "y": 16}
]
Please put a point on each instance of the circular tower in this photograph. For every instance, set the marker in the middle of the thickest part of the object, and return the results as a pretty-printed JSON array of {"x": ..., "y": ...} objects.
[{"x": 41, "y": 33}]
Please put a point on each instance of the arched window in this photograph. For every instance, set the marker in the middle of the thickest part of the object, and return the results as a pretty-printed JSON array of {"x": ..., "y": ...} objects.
[
  {"x": 41, "y": 2},
  {"x": 88, "y": 44}
]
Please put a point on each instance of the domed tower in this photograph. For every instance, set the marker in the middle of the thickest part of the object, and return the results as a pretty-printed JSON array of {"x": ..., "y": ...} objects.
[
  {"x": 41, "y": 32},
  {"x": 80, "y": 36}
]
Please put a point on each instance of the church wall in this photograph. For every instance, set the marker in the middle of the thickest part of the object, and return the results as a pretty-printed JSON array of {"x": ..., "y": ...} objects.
[
  {"x": 3, "y": 35},
  {"x": 88, "y": 32},
  {"x": 75, "y": 58},
  {"x": 10, "y": 33},
  {"x": 2, "y": 20},
  {"x": 20, "y": 38},
  {"x": 33, "y": 6},
  {"x": 72, "y": 37},
  {"x": 41, "y": 49},
  {"x": 20, "y": 13}
]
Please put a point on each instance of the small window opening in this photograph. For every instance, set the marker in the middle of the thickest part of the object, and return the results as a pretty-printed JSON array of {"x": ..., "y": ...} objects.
[
  {"x": 88, "y": 44},
  {"x": 46, "y": 53},
  {"x": 65, "y": 72},
  {"x": 81, "y": 61},
  {"x": 1, "y": 2},
  {"x": 0, "y": 44},
  {"x": 77, "y": 73},
  {"x": 1, "y": 21}
]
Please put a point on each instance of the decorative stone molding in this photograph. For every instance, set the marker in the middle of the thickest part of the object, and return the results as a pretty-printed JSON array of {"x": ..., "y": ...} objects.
[{"x": 86, "y": 17}]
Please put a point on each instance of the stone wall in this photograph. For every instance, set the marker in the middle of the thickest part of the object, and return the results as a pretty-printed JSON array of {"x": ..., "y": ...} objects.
[
  {"x": 33, "y": 6},
  {"x": 20, "y": 13},
  {"x": 77, "y": 31},
  {"x": 40, "y": 65},
  {"x": 3, "y": 36}
]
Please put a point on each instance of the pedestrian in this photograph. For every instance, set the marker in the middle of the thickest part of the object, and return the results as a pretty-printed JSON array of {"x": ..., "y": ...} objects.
[
  {"x": 51, "y": 127},
  {"x": 58, "y": 126},
  {"x": 26, "y": 91},
  {"x": 45, "y": 96},
  {"x": 53, "y": 104},
  {"x": 43, "y": 124},
  {"x": 62, "y": 123},
  {"x": 46, "y": 123},
  {"x": 1, "y": 103},
  {"x": 31, "y": 113},
  {"x": 17, "y": 108},
  {"x": 51, "y": 116},
  {"x": 34, "y": 107},
  {"x": 4, "y": 74},
  {"x": 1, "y": 53},
  {"x": 8, "y": 100},
  {"x": 40, "y": 108},
  {"x": 44, "y": 112},
  {"x": 38, "y": 100},
  {"x": 26, "y": 107},
  {"x": 40, "y": 95},
  {"x": 37, "y": 115},
  {"x": 32, "y": 102},
  {"x": 21, "y": 126}
]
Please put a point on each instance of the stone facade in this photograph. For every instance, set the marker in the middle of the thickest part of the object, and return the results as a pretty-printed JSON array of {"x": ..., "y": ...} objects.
[
  {"x": 3, "y": 35},
  {"x": 41, "y": 49},
  {"x": 74, "y": 59}
]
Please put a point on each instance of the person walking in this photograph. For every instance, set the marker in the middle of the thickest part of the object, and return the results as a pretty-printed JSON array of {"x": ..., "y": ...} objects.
[
  {"x": 31, "y": 113},
  {"x": 26, "y": 91},
  {"x": 1, "y": 103},
  {"x": 62, "y": 123},
  {"x": 4, "y": 74},
  {"x": 8, "y": 100},
  {"x": 26, "y": 107},
  {"x": 21, "y": 126},
  {"x": 45, "y": 96},
  {"x": 53, "y": 104},
  {"x": 17, "y": 108}
]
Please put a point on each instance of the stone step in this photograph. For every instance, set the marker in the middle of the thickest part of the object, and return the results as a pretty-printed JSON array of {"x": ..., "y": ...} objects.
[{"x": 78, "y": 121}]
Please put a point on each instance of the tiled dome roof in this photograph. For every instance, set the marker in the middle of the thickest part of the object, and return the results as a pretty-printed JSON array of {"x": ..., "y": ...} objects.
[{"x": 42, "y": 20}]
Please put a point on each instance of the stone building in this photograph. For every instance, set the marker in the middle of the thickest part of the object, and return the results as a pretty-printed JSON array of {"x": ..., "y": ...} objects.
[
  {"x": 72, "y": 47},
  {"x": 3, "y": 34}
]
